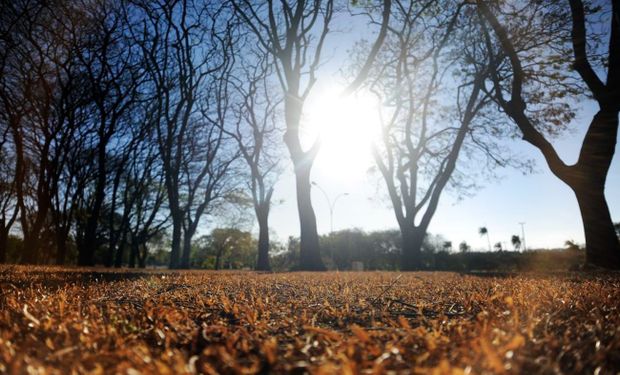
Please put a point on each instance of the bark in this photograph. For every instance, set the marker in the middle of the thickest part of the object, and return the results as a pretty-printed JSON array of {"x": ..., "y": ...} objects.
[
  {"x": 176, "y": 243},
  {"x": 412, "y": 240},
  {"x": 602, "y": 246},
  {"x": 61, "y": 245},
  {"x": 187, "y": 248},
  {"x": 133, "y": 255},
  {"x": 4, "y": 242},
  {"x": 262, "y": 264},
  {"x": 309, "y": 253},
  {"x": 86, "y": 252},
  {"x": 218, "y": 258},
  {"x": 120, "y": 251}
]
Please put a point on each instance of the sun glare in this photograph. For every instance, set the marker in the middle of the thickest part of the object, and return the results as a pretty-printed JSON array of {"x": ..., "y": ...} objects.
[{"x": 347, "y": 127}]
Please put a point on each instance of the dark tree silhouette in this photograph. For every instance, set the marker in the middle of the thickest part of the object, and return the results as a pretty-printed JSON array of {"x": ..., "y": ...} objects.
[
  {"x": 519, "y": 66},
  {"x": 516, "y": 242}
]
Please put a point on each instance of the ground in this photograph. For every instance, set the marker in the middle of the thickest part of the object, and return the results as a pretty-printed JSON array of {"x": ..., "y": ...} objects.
[{"x": 84, "y": 321}]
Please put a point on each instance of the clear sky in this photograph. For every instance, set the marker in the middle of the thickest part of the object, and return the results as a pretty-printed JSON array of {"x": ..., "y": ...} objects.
[{"x": 546, "y": 205}]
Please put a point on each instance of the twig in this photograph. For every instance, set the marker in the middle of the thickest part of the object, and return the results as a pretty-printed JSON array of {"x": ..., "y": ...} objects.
[{"x": 386, "y": 289}]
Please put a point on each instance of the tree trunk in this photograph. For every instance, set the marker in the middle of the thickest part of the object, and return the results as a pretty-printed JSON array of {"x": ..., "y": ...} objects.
[
  {"x": 218, "y": 258},
  {"x": 4, "y": 243},
  {"x": 602, "y": 246},
  {"x": 176, "y": 243},
  {"x": 133, "y": 255},
  {"x": 262, "y": 215},
  {"x": 412, "y": 239},
  {"x": 187, "y": 248},
  {"x": 61, "y": 245},
  {"x": 142, "y": 257},
  {"x": 120, "y": 251},
  {"x": 309, "y": 252},
  {"x": 31, "y": 248}
]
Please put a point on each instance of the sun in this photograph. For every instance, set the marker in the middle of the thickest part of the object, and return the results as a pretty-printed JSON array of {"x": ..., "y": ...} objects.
[{"x": 347, "y": 127}]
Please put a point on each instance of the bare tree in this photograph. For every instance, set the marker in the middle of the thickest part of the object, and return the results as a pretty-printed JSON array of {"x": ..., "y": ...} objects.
[
  {"x": 421, "y": 143},
  {"x": 294, "y": 34},
  {"x": 255, "y": 132},
  {"x": 182, "y": 45},
  {"x": 531, "y": 45}
]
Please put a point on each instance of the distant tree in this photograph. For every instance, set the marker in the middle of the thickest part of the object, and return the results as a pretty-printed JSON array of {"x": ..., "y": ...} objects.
[
  {"x": 498, "y": 246},
  {"x": 544, "y": 55},
  {"x": 447, "y": 246},
  {"x": 483, "y": 231},
  {"x": 232, "y": 248},
  {"x": 464, "y": 247},
  {"x": 516, "y": 242},
  {"x": 571, "y": 245}
]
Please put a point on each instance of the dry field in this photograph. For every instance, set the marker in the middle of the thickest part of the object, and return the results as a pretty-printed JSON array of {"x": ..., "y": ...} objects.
[{"x": 62, "y": 321}]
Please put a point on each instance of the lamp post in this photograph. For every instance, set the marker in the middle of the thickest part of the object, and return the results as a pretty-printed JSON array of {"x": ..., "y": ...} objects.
[
  {"x": 330, "y": 203},
  {"x": 522, "y": 224}
]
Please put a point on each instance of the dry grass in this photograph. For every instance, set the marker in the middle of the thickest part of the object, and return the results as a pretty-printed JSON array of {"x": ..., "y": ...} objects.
[{"x": 59, "y": 320}]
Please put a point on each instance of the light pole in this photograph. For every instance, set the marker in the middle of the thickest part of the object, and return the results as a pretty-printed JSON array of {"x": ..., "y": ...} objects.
[
  {"x": 522, "y": 224},
  {"x": 331, "y": 204}
]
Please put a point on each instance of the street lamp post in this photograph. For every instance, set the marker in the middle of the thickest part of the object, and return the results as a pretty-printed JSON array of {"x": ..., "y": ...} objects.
[
  {"x": 331, "y": 204},
  {"x": 523, "y": 235}
]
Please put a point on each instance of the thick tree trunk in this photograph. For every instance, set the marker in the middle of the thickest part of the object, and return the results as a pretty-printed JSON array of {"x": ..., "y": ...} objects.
[
  {"x": 587, "y": 178},
  {"x": 120, "y": 251},
  {"x": 187, "y": 248},
  {"x": 176, "y": 243},
  {"x": 31, "y": 248},
  {"x": 309, "y": 253},
  {"x": 61, "y": 245},
  {"x": 411, "y": 258},
  {"x": 602, "y": 246},
  {"x": 133, "y": 254},
  {"x": 142, "y": 257},
  {"x": 4, "y": 243},
  {"x": 262, "y": 263}
]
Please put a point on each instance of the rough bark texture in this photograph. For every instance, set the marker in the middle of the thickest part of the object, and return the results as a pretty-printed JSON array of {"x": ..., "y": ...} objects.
[
  {"x": 309, "y": 253},
  {"x": 262, "y": 263},
  {"x": 411, "y": 249}
]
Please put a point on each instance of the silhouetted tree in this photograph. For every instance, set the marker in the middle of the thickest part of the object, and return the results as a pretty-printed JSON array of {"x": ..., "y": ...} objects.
[
  {"x": 516, "y": 242},
  {"x": 530, "y": 52},
  {"x": 483, "y": 231},
  {"x": 183, "y": 44},
  {"x": 464, "y": 247}
]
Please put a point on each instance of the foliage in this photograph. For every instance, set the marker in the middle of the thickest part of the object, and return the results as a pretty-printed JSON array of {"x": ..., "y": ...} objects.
[{"x": 59, "y": 321}]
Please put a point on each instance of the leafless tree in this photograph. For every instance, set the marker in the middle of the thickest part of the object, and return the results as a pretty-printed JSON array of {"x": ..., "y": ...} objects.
[
  {"x": 256, "y": 132},
  {"x": 294, "y": 34},
  {"x": 427, "y": 116},
  {"x": 184, "y": 43}
]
